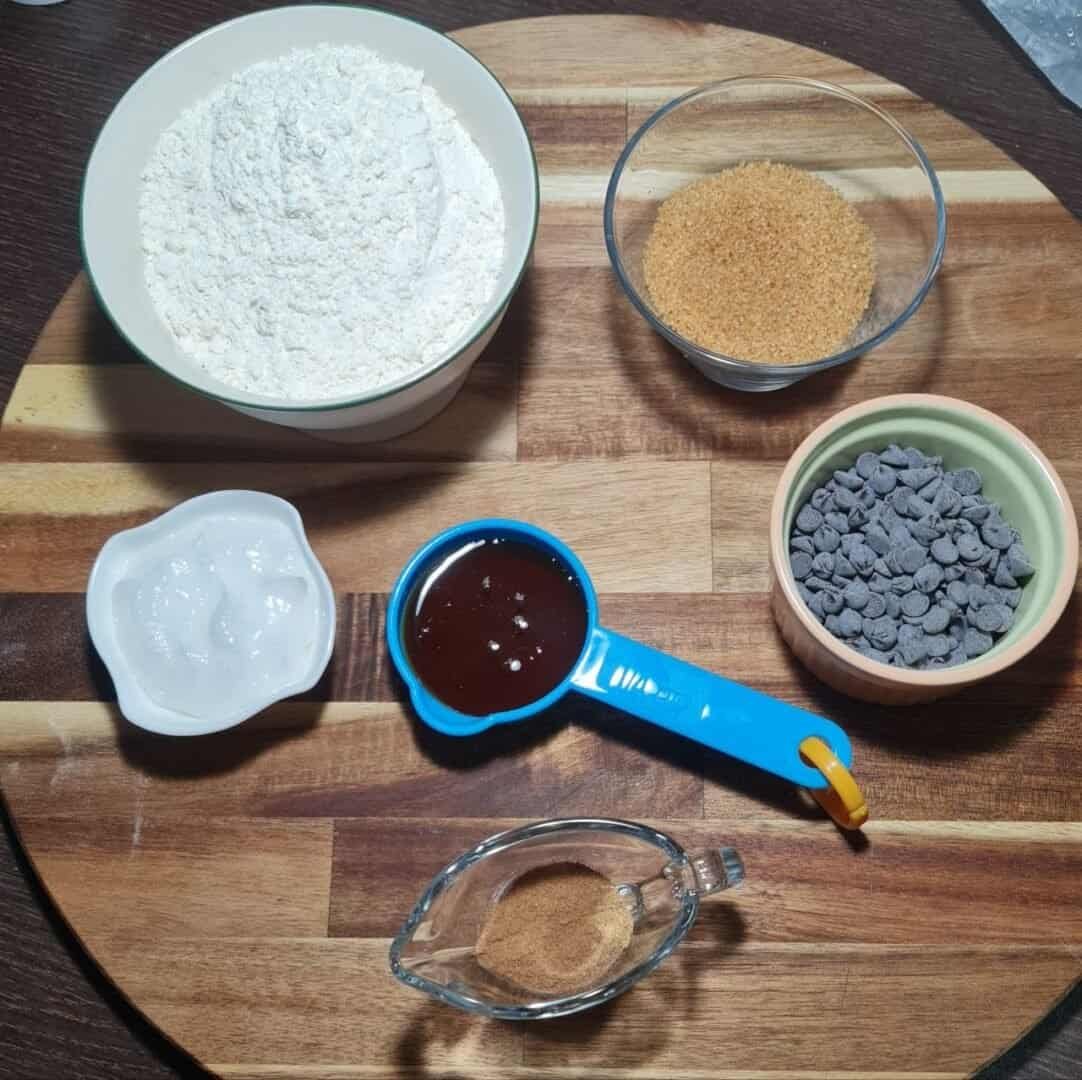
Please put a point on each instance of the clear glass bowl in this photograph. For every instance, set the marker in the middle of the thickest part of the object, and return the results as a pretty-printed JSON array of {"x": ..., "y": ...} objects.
[
  {"x": 852, "y": 144},
  {"x": 435, "y": 951}
]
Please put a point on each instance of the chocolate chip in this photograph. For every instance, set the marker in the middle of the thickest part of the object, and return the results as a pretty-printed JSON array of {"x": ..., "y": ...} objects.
[
  {"x": 977, "y": 514},
  {"x": 915, "y": 604},
  {"x": 928, "y": 578},
  {"x": 843, "y": 567},
  {"x": 901, "y": 585},
  {"x": 809, "y": 519},
  {"x": 947, "y": 502},
  {"x": 893, "y": 605},
  {"x": 928, "y": 529},
  {"x": 826, "y": 538},
  {"x": 849, "y": 479},
  {"x": 849, "y": 623},
  {"x": 928, "y": 492},
  {"x": 899, "y": 500},
  {"x": 917, "y": 507},
  {"x": 844, "y": 499},
  {"x": 964, "y": 481},
  {"x": 881, "y": 632},
  {"x": 917, "y": 478},
  {"x": 970, "y": 549},
  {"x": 938, "y": 645},
  {"x": 800, "y": 562},
  {"x": 876, "y": 606},
  {"x": 837, "y": 521},
  {"x": 863, "y": 558},
  {"x": 944, "y": 551},
  {"x": 912, "y": 558},
  {"x": 802, "y": 543},
  {"x": 935, "y": 620},
  {"x": 857, "y": 595},
  {"x": 866, "y": 464},
  {"x": 857, "y": 516},
  {"x": 879, "y": 583},
  {"x": 832, "y": 601},
  {"x": 996, "y": 532},
  {"x": 975, "y": 643},
  {"x": 877, "y": 539},
  {"x": 1018, "y": 564},
  {"x": 822, "y": 500},
  {"x": 896, "y": 456},
  {"x": 833, "y": 624},
  {"x": 823, "y": 564},
  {"x": 883, "y": 480},
  {"x": 958, "y": 591},
  {"x": 973, "y": 576}
]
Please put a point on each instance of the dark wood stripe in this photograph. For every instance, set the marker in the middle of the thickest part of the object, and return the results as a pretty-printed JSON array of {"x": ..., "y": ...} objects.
[
  {"x": 47, "y": 656},
  {"x": 805, "y": 882}
]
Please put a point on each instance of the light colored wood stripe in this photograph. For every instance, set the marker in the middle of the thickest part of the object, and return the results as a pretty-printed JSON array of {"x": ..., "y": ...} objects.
[
  {"x": 120, "y": 411},
  {"x": 366, "y": 520},
  {"x": 977, "y": 336},
  {"x": 857, "y": 185},
  {"x": 149, "y": 874},
  {"x": 640, "y": 51},
  {"x": 806, "y": 882},
  {"x": 274, "y": 1002},
  {"x": 340, "y": 760},
  {"x": 763, "y": 1010}
]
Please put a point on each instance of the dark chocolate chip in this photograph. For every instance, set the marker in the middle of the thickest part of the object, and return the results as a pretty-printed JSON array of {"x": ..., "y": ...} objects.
[
  {"x": 928, "y": 578},
  {"x": 976, "y": 643},
  {"x": 964, "y": 481},
  {"x": 944, "y": 551},
  {"x": 915, "y": 604},
  {"x": 800, "y": 563},
  {"x": 935, "y": 620}
]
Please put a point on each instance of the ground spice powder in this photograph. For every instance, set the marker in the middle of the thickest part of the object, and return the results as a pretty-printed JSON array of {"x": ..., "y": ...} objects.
[
  {"x": 557, "y": 930},
  {"x": 761, "y": 262}
]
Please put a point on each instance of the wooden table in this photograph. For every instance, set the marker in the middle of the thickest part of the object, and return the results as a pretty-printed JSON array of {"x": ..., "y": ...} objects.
[{"x": 51, "y": 1023}]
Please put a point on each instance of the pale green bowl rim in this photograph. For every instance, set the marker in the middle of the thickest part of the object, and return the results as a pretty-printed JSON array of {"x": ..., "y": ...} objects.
[{"x": 1011, "y": 648}]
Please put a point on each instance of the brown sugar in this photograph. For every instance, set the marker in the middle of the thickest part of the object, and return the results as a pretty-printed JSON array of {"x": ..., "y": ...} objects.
[
  {"x": 760, "y": 262},
  {"x": 557, "y": 930}
]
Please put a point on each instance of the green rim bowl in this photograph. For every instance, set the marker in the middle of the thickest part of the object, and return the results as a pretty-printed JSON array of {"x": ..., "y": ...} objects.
[
  {"x": 1016, "y": 475},
  {"x": 109, "y": 211}
]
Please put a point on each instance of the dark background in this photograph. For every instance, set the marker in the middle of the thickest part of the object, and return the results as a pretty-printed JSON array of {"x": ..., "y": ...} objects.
[{"x": 63, "y": 68}]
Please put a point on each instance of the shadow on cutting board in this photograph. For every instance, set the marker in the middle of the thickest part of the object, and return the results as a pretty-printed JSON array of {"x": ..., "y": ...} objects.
[
  {"x": 152, "y": 418},
  {"x": 981, "y": 719}
]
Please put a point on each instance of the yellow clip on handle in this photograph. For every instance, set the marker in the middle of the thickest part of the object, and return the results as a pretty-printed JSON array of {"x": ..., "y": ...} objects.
[{"x": 842, "y": 799}]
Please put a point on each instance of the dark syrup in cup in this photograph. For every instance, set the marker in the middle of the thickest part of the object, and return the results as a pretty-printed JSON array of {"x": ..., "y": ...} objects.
[{"x": 494, "y": 625}]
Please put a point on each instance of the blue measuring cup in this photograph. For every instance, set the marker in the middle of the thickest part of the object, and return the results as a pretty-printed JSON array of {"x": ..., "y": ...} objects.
[{"x": 649, "y": 684}]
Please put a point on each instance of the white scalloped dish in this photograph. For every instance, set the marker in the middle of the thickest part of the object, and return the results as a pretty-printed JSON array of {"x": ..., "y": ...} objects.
[{"x": 211, "y": 612}]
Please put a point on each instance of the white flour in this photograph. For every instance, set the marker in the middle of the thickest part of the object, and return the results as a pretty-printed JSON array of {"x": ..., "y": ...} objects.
[{"x": 320, "y": 226}]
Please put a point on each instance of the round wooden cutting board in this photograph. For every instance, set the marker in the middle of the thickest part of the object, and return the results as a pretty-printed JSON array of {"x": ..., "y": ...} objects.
[{"x": 241, "y": 889}]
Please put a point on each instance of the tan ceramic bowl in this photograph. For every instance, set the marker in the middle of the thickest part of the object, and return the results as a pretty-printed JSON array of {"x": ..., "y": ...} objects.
[{"x": 1016, "y": 475}]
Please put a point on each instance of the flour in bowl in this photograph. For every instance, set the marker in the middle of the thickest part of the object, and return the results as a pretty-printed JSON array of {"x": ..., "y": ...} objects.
[{"x": 320, "y": 226}]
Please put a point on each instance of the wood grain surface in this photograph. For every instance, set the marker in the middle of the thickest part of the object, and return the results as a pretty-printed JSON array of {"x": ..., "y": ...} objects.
[{"x": 241, "y": 890}]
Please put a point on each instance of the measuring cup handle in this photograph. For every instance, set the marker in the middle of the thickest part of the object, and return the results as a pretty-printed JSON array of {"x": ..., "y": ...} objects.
[{"x": 699, "y": 705}]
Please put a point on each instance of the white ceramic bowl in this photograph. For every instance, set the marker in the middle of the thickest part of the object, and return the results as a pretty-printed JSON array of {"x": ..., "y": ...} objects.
[
  {"x": 110, "y": 567},
  {"x": 109, "y": 225}
]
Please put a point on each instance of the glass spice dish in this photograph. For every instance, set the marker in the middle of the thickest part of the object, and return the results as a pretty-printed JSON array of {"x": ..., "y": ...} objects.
[
  {"x": 662, "y": 884},
  {"x": 851, "y": 143}
]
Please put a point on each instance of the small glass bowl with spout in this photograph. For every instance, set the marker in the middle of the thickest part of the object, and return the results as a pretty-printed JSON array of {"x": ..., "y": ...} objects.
[{"x": 662, "y": 884}]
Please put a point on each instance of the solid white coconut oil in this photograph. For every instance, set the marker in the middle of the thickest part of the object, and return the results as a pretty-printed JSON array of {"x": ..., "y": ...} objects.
[{"x": 217, "y": 613}]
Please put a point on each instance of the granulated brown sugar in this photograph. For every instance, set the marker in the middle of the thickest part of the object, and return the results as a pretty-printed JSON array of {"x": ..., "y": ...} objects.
[
  {"x": 557, "y": 930},
  {"x": 761, "y": 262}
]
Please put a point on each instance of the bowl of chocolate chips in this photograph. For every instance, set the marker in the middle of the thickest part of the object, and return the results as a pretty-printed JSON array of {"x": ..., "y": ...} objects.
[{"x": 918, "y": 544}]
